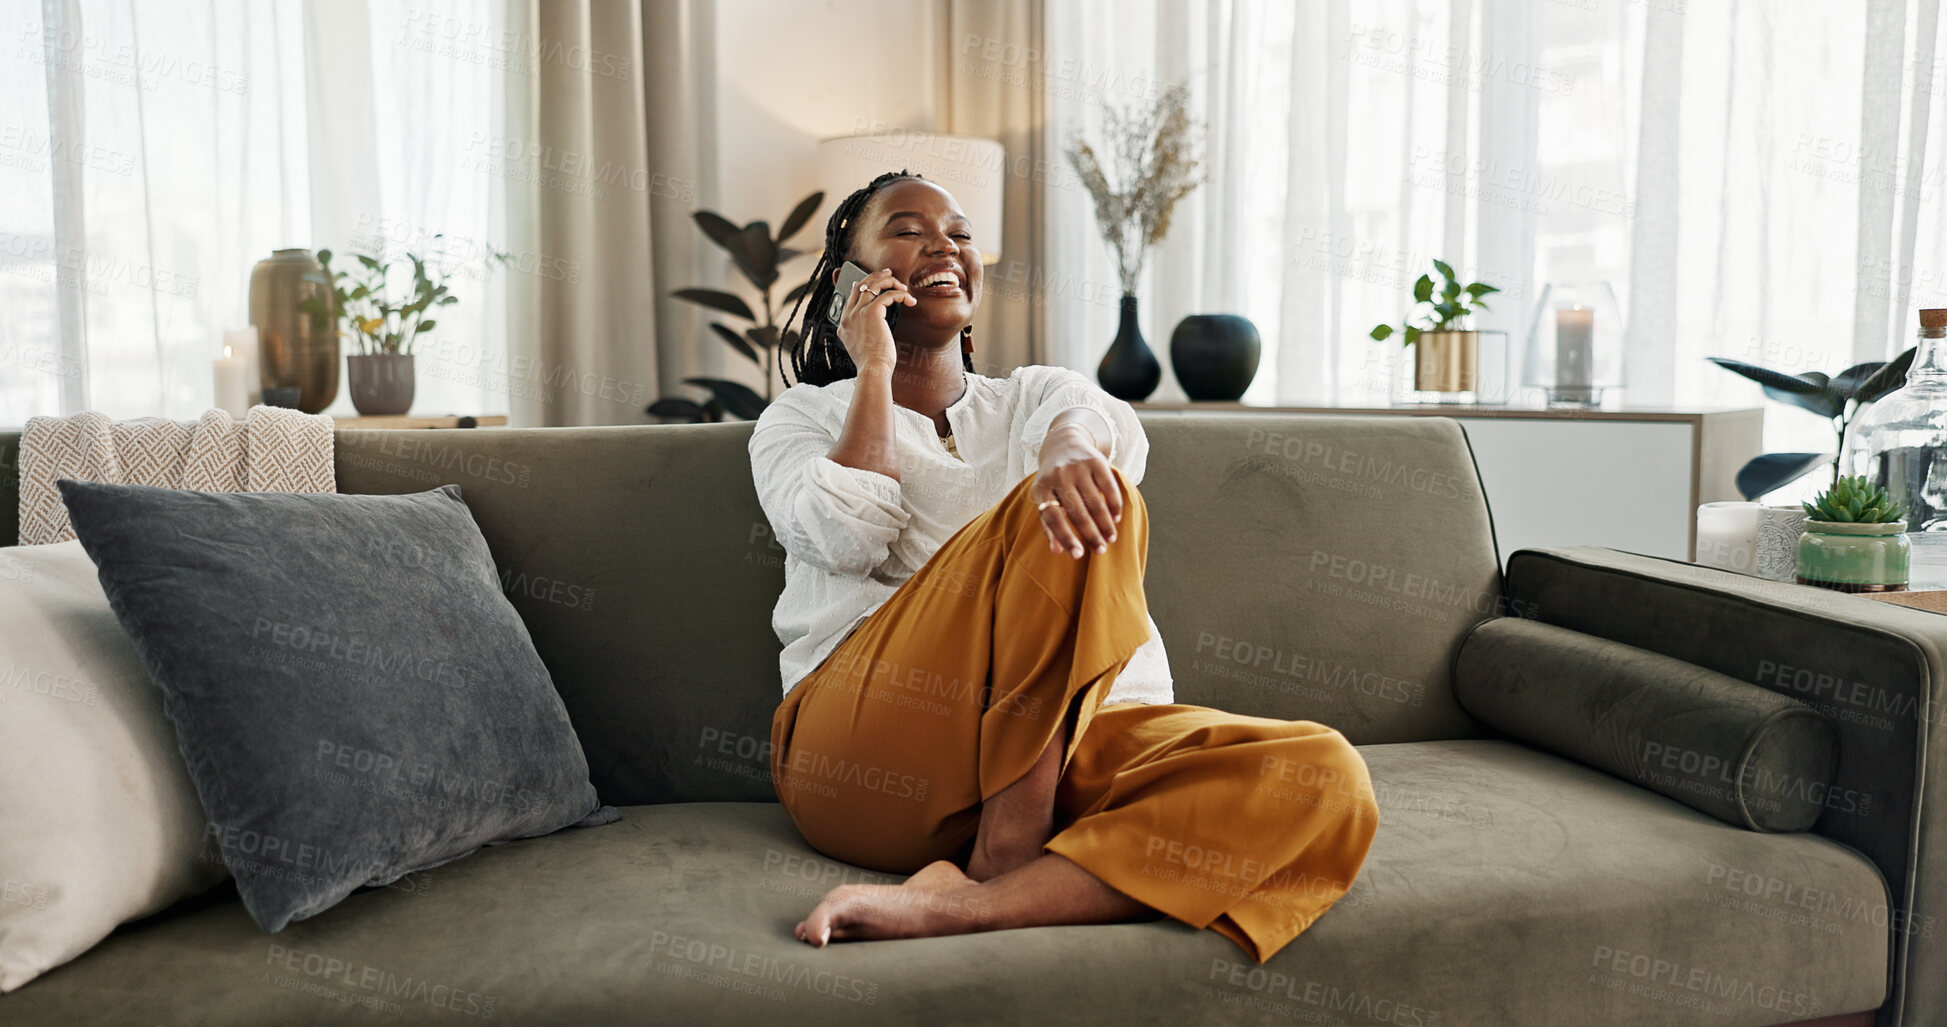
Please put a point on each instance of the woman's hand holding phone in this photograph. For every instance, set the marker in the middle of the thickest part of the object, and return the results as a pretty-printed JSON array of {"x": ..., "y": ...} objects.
[{"x": 862, "y": 328}]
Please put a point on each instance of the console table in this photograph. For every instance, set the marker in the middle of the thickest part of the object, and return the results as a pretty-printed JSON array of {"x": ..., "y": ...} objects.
[{"x": 1626, "y": 478}]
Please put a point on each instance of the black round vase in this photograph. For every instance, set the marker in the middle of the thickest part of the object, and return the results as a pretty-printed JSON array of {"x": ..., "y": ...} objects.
[
  {"x": 1129, "y": 370},
  {"x": 1215, "y": 355}
]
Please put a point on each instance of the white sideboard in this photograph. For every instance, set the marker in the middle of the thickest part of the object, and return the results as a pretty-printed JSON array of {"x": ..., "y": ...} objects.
[{"x": 1629, "y": 479}]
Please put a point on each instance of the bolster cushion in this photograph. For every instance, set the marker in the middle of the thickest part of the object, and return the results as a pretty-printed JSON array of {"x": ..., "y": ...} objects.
[{"x": 1737, "y": 751}]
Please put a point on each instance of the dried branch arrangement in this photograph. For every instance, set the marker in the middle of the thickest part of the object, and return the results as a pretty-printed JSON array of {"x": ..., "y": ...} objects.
[{"x": 1153, "y": 162}]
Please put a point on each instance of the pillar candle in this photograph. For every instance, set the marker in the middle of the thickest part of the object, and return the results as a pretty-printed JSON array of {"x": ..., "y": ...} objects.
[
  {"x": 232, "y": 390},
  {"x": 242, "y": 343},
  {"x": 1574, "y": 347},
  {"x": 1727, "y": 536}
]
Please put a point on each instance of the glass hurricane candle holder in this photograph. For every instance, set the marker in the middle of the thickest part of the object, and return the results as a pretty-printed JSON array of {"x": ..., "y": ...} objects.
[{"x": 1575, "y": 343}]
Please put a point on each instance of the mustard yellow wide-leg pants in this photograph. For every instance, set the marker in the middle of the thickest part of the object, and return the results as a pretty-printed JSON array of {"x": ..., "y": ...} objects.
[{"x": 952, "y": 689}]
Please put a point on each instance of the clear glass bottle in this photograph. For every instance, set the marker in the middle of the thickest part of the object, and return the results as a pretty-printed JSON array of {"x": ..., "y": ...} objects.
[{"x": 1900, "y": 442}]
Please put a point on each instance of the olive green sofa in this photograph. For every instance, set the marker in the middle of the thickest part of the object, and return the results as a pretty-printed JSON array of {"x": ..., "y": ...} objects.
[{"x": 1301, "y": 567}]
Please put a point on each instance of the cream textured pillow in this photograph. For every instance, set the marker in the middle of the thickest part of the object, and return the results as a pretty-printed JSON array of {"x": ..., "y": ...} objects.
[{"x": 99, "y": 823}]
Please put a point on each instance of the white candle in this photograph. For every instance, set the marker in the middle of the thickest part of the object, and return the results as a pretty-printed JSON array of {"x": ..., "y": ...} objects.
[
  {"x": 1574, "y": 347},
  {"x": 1727, "y": 536},
  {"x": 242, "y": 343},
  {"x": 232, "y": 390}
]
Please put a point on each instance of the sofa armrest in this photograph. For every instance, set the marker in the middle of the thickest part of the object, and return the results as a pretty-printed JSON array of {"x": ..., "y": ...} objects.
[{"x": 1876, "y": 670}]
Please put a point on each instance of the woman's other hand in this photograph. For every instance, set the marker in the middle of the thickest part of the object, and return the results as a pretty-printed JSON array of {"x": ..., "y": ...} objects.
[{"x": 1086, "y": 496}]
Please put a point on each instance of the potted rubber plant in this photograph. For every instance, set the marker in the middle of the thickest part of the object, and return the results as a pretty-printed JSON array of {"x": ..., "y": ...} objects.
[
  {"x": 1446, "y": 353},
  {"x": 756, "y": 254},
  {"x": 1839, "y": 398},
  {"x": 1855, "y": 539}
]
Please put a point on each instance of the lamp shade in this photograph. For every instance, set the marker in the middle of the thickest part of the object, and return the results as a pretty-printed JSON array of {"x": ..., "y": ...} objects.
[{"x": 971, "y": 169}]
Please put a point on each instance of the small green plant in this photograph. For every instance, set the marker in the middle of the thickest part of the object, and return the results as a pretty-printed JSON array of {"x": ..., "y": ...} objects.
[
  {"x": 382, "y": 324},
  {"x": 1854, "y": 500},
  {"x": 1438, "y": 305}
]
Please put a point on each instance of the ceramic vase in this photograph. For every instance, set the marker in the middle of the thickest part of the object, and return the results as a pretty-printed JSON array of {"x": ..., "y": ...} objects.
[
  {"x": 1215, "y": 355},
  {"x": 296, "y": 347},
  {"x": 1129, "y": 371}
]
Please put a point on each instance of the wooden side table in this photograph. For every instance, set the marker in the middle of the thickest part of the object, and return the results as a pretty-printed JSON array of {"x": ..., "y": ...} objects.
[
  {"x": 1932, "y": 600},
  {"x": 416, "y": 421}
]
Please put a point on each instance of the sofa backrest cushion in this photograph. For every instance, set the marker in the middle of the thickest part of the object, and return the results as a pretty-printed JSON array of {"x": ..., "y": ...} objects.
[
  {"x": 1737, "y": 751},
  {"x": 1321, "y": 568},
  {"x": 646, "y": 573}
]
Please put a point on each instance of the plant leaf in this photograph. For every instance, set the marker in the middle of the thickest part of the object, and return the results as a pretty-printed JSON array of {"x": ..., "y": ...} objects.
[
  {"x": 1423, "y": 289},
  {"x": 1764, "y": 375},
  {"x": 1846, "y": 382},
  {"x": 1381, "y": 333},
  {"x": 715, "y": 299},
  {"x": 763, "y": 336},
  {"x": 1479, "y": 289},
  {"x": 736, "y": 397},
  {"x": 1787, "y": 388},
  {"x": 1412, "y": 335},
  {"x": 720, "y": 229},
  {"x": 796, "y": 291},
  {"x": 799, "y": 215},
  {"x": 676, "y": 408},
  {"x": 737, "y": 342},
  {"x": 1772, "y": 471},
  {"x": 1886, "y": 379},
  {"x": 1446, "y": 270},
  {"x": 426, "y": 326}
]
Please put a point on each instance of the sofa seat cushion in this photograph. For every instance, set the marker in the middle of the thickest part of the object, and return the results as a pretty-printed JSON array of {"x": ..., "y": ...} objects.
[{"x": 1505, "y": 886}]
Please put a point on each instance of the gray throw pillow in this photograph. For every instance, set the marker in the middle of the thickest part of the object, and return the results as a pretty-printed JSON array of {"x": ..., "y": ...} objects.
[{"x": 354, "y": 696}]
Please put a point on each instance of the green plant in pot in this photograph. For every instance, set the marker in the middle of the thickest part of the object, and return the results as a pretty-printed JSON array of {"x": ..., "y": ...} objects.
[
  {"x": 384, "y": 324},
  {"x": 1855, "y": 540},
  {"x": 757, "y": 255},
  {"x": 1446, "y": 354}
]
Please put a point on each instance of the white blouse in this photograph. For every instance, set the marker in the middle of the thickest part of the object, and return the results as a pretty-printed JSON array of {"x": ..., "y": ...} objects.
[{"x": 850, "y": 536}]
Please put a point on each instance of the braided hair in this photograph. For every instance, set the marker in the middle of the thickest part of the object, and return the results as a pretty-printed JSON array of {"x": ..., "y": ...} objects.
[{"x": 819, "y": 357}]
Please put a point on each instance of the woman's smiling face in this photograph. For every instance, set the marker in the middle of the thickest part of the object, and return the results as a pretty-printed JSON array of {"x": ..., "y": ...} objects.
[{"x": 915, "y": 228}]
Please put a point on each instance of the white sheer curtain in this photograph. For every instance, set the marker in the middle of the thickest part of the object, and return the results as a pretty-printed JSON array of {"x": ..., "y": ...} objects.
[
  {"x": 1758, "y": 180},
  {"x": 151, "y": 153}
]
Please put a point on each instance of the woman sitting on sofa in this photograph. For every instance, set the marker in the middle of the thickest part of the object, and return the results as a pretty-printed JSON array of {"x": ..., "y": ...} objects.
[{"x": 975, "y": 694}]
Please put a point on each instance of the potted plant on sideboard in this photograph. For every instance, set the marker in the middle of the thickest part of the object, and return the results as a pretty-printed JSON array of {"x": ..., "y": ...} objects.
[
  {"x": 1855, "y": 540},
  {"x": 1446, "y": 353},
  {"x": 380, "y": 374}
]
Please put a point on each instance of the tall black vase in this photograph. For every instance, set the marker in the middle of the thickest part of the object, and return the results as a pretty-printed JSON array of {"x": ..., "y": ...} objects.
[{"x": 1129, "y": 370}]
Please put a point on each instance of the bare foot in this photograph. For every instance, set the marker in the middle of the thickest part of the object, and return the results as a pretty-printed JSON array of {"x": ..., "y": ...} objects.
[{"x": 938, "y": 900}]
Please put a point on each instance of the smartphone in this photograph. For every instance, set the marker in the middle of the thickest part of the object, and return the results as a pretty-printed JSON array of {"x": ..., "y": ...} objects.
[{"x": 849, "y": 278}]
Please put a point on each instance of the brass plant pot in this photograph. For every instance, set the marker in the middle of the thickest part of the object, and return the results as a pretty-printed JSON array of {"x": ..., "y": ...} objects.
[
  {"x": 297, "y": 349},
  {"x": 1446, "y": 361}
]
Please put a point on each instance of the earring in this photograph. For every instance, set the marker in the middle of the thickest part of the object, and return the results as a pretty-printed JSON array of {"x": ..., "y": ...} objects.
[{"x": 966, "y": 340}]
